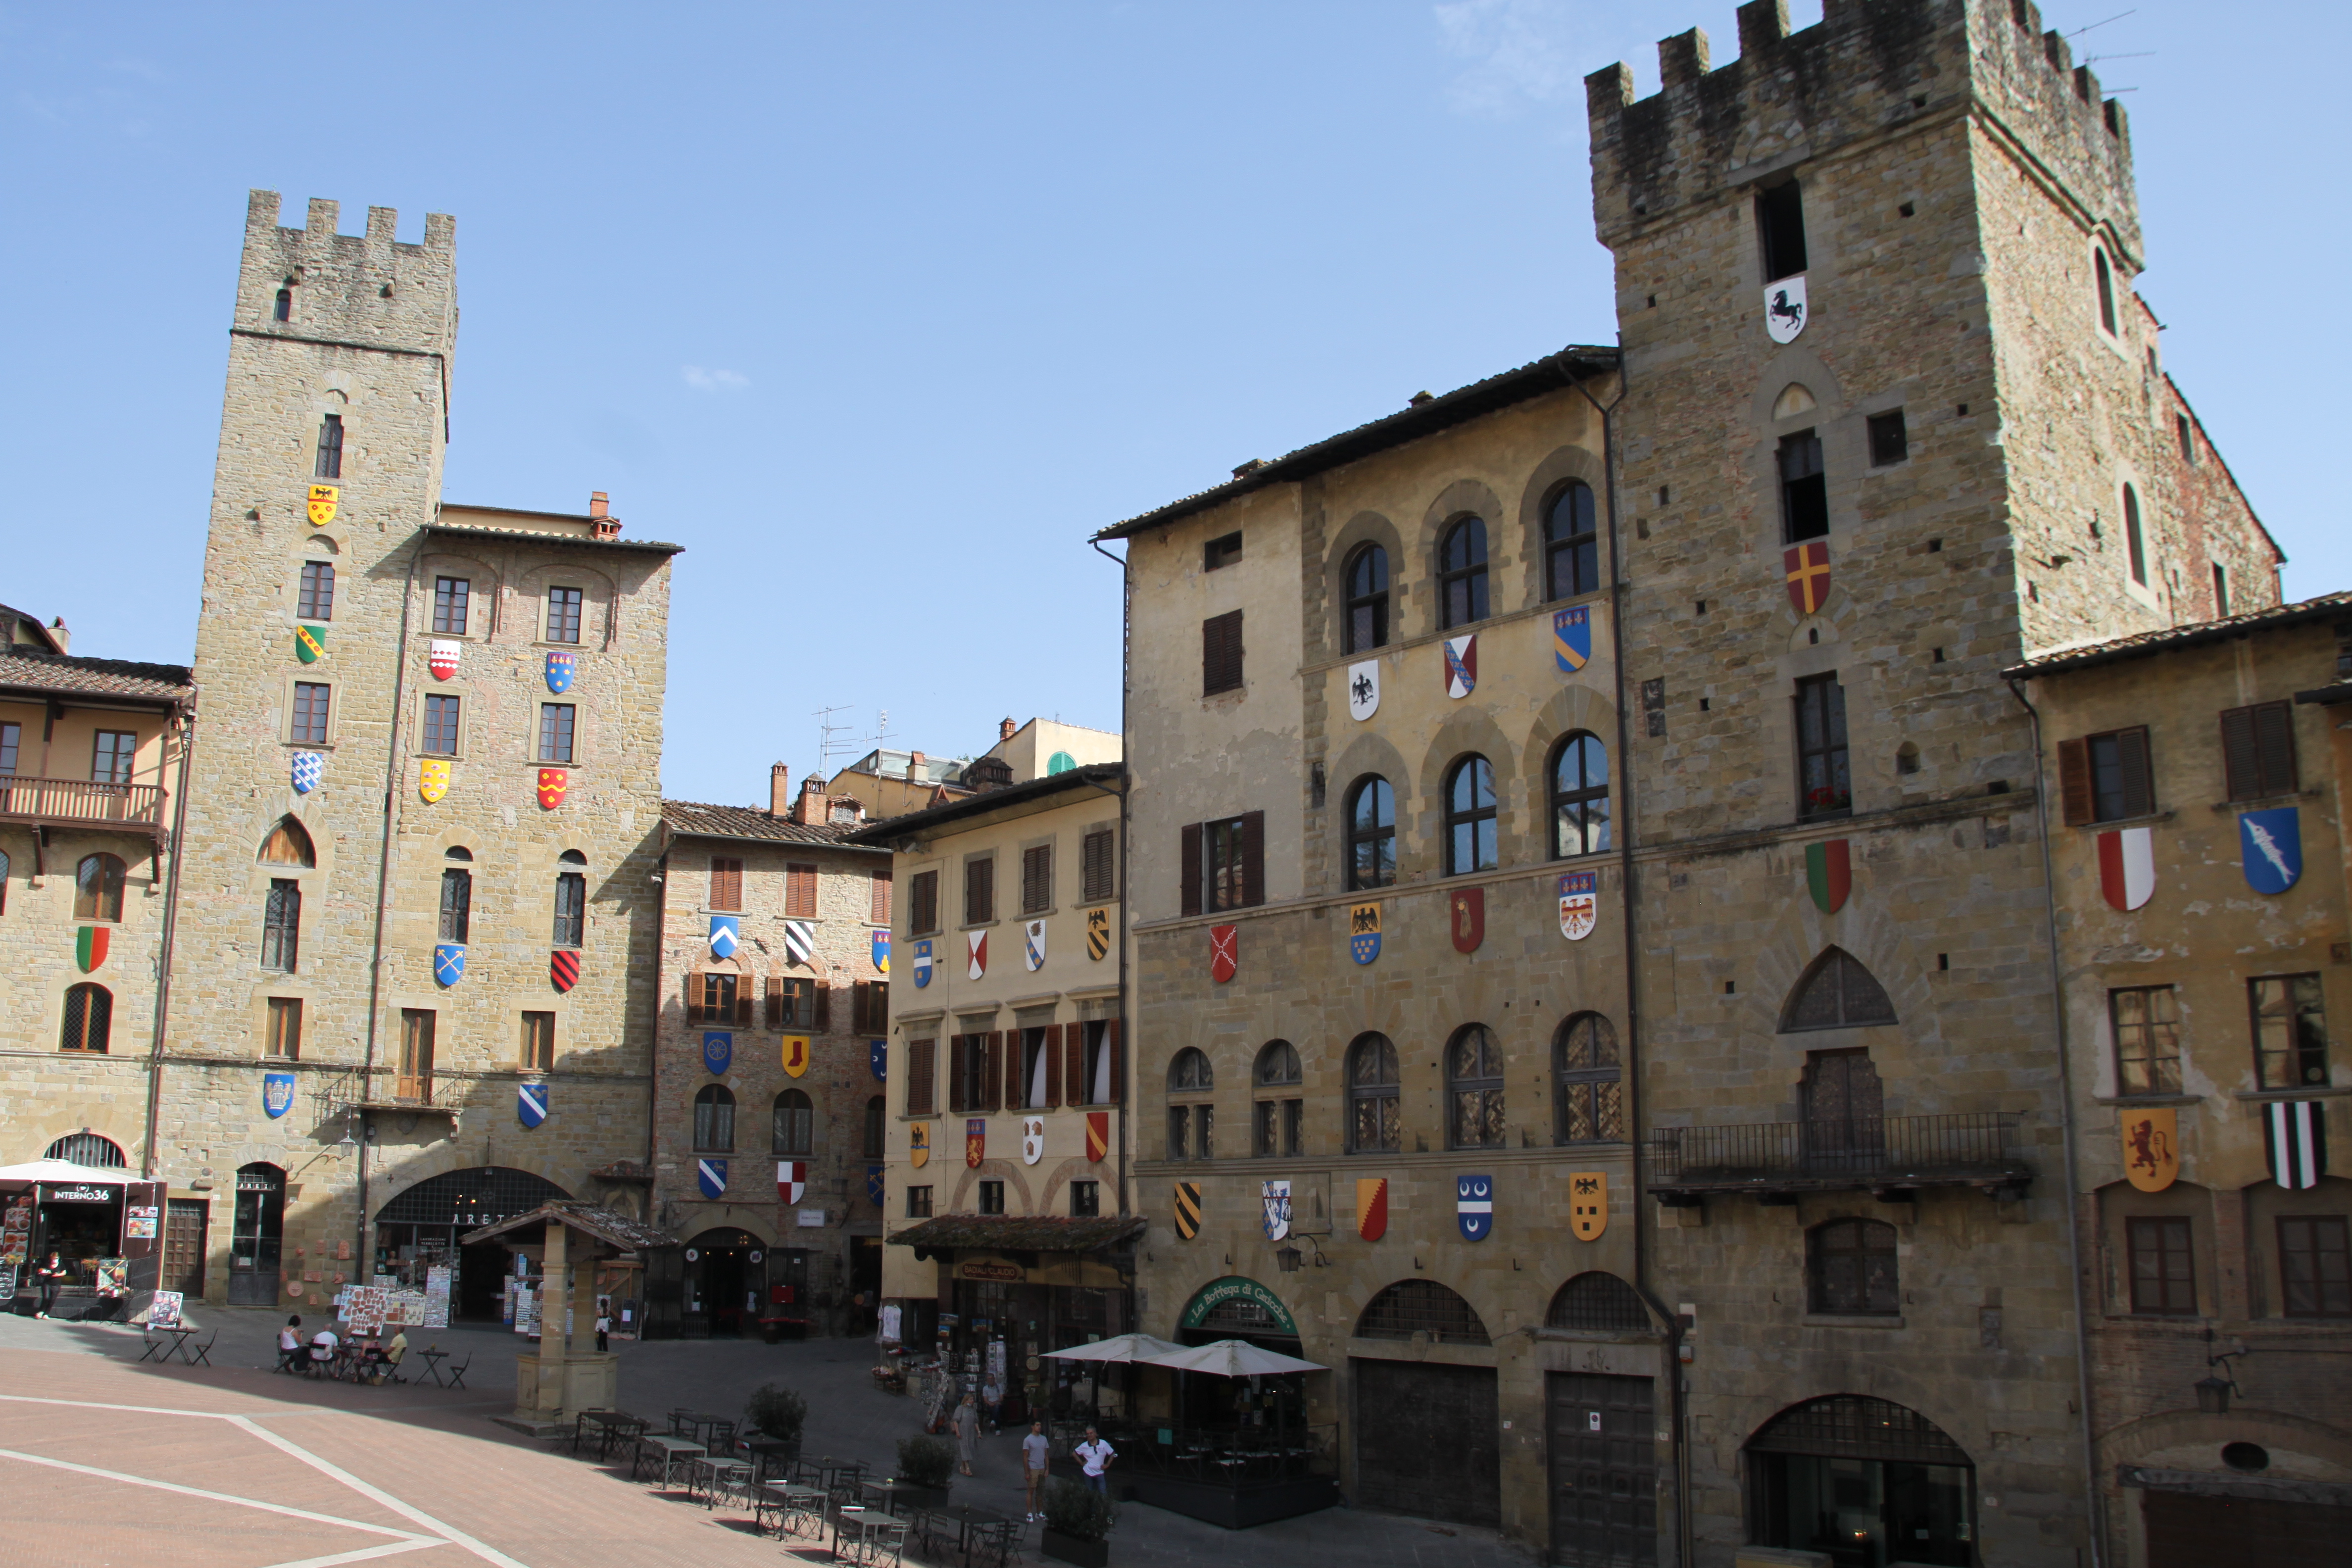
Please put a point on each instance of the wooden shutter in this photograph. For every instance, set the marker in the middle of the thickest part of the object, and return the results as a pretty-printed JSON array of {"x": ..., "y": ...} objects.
[
  {"x": 924, "y": 913},
  {"x": 1221, "y": 653},
  {"x": 1253, "y": 858},
  {"x": 1190, "y": 870},
  {"x": 694, "y": 997},
  {"x": 1118, "y": 1062},
  {"x": 920, "y": 1058},
  {"x": 991, "y": 1071},
  {"x": 877, "y": 1006},
  {"x": 726, "y": 883},
  {"x": 2139, "y": 788},
  {"x": 2075, "y": 781},
  {"x": 878, "y": 911},
  {"x": 978, "y": 892},
  {"x": 743, "y": 1002},
  {"x": 2274, "y": 740},
  {"x": 800, "y": 889},
  {"x": 823, "y": 1006},
  {"x": 2241, "y": 763},
  {"x": 1074, "y": 1064},
  {"x": 1094, "y": 864},
  {"x": 1053, "y": 1049},
  {"x": 775, "y": 1002},
  {"x": 956, "y": 1048},
  {"x": 1016, "y": 1086}
]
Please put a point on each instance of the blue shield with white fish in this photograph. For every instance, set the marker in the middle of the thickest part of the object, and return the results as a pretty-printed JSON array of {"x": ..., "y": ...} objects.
[
  {"x": 309, "y": 766},
  {"x": 1474, "y": 1206},
  {"x": 878, "y": 1056},
  {"x": 531, "y": 1104},
  {"x": 276, "y": 1093},
  {"x": 448, "y": 963},
  {"x": 922, "y": 965},
  {"x": 559, "y": 671},
  {"x": 726, "y": 935},
  {"x": 2271, "y": 845},
  {"x": 711, "y": 1176},
  {"x": 718, "y": 1051}
]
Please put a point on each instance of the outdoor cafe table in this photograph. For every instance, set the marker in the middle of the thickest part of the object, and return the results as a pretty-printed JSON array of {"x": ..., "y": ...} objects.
[
  {"x": 965, "y": 1516},
  {"x": 853, "y": 1522},
  {"x": 610, "y": 1427},
  {"x": 788, "y": 1499},
  {"x": 829, "y": 1469},
  {"x": 698, "y": 1423},
  {"x": 772, "y": 1455},
  {"x": 433, "y": 1360},
  {"x": 889, "y": 1493},
  {"x": 669, "y": 1456},
  {"x": 721, "y": 1472},
  {"x": 161, "y": 1350}
]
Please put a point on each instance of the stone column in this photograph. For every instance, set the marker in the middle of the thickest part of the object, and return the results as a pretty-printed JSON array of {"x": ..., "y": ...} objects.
[{"x": 555, "y": 1298}]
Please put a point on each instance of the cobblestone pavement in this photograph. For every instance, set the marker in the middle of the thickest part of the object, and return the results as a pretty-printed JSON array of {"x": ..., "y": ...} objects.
[{"x": 115, "y": 1461}]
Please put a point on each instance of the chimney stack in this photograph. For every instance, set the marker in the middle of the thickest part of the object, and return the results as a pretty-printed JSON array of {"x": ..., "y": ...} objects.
[
  {"x": 600, "y": 516},
  {"x": 915, "y": 760},
  {"x": 1005, "y": 730},
  {"x": 64, "y": 638},
  {"x": 780, "y": 795},
  {"x": 809, "y": 811},
  {"x": 599, "y": 504}
]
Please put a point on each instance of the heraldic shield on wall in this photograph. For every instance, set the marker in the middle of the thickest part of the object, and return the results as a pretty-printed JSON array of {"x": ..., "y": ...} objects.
[
  {"x": 448, "y": 965},
  {"x": 1587, "y": 1204},
  {"x": 1098, "y": 1137},
  {"x": 559, "y": 668},
  {"x": 1460, "y": 665},
  {"x": 1032, "y": 1139},
  {"x": 2271, "y": 845},
  {"x": 308, "y": 768},
  {"x": 975, "y": 1140},
  {"x": 975, "y": 944},
  {"x": 1275, "y": 1197},
  {"x": 1364, "y": 688},
  {"x": 718, "y": 1051},
  {"x": 1785, "y": 312},
  {"x": 1188, "y": 1210},
  {"x": 554, "y": 784},
  {"x": 321, "y": 504},
  {"x": 1571, "y": 639},
  {"x": 432, "y": 779},
  {"x": 711, "y": 1176},
  {"x": 791, "y": 1181},
  {"x": 1473, "y": 1206},
  {"x": 531, "y": 1104},
  {"x": 1098, "y": 933},
  {"x": 2126, "y": 868},
  {"x": 90, "y": 944},
  {"x": 922, "y": 965},
  {"x": 919, "y": 1145},
  {"x": 276, "y": 1093},
  {"x": 2151, "y": 1143},
  {"x": 1364, "y": 933},
  {"x": 563, "y": 968},
  {"x": 1580, "y": 904},
  {"x": 1371, "y": 1207},
  {"x": 1225, "y": 952},
  {"x": 441, "y": 656}
]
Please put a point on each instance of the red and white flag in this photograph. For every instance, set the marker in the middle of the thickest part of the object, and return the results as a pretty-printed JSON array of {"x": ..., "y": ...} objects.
[{"x": 2128, "y": 867}]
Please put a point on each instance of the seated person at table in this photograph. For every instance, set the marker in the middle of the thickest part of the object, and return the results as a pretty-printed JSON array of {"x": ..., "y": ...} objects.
[
  {"x": 290, "y": 1344},
  {"x": 395, "y": 1352},
  {"x": 323, "y": 1345}
]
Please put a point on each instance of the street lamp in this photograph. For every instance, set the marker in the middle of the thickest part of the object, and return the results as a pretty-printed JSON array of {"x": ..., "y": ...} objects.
[{"x": 2213, "y": 1393}]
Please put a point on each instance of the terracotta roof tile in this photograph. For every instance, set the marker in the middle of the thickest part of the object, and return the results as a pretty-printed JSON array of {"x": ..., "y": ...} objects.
[
  {"x": 2326, "y": 607},
  {"x": 751, "y": 822},
  {"x": 68, "y": 674}
]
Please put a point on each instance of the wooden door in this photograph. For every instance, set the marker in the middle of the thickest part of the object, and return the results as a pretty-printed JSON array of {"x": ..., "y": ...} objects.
[
  {"x": 1427, "y": 1440},
  {"x": 1845, "y": 1111},
  {"x": 1604, "y": 1471},
  {"x": 414, "y": 1080},
  {"x": 2186, "y": 1530},
  {"x": 185, "y": 1226}
]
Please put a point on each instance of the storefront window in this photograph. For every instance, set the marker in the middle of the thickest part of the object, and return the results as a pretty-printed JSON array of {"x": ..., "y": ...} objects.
[{"x": 1864, "y": 1480}]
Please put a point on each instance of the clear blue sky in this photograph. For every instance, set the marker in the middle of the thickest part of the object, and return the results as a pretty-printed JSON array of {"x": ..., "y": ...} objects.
[{"x": 880, "y": 309}]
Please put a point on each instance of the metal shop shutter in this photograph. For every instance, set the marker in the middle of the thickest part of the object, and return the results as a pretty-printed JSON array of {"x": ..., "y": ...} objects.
[{"x": 1426, "y": 1440}]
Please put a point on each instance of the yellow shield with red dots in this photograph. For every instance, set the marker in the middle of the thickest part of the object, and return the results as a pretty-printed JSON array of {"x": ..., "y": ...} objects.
[
  {"x": 1587, "y": 1204},
  {"x": 553, "y": 784},
  {"x": 323, "y": 504}
]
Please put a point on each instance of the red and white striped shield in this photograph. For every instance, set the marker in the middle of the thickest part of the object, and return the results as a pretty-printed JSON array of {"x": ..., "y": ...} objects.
[
  {"x": 2128, "y": 867},
  {"x": 791, "y": 1181}
]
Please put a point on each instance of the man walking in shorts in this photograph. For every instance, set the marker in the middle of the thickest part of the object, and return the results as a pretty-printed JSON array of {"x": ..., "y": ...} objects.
[{"x": 1035, "y": 1452}]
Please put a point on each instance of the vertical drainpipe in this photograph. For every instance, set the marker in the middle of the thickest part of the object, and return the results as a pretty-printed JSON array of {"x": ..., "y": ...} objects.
[
  {"x": 1676, "y": 1382},
  {"x": 187, "y": 716},
  {"x": 1126, "y": 891}
]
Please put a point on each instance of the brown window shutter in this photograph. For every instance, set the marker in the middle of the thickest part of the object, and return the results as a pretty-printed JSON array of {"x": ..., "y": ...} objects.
[
  {"x": 2241, "y": 763},
  {"x": 1252, "y": 858},
  {"x": 1190, "y": 878},
  {"x": 1016, "y": 1092},
  {"x": 743, "y": 1002},
  {"x": 2275, "y": 743},
  {"x": 775, "y": 1002},
  {"x": 955, "y": 1073},
  {"x": 2139, "y": 787},
  {"x": 2075, "y": 781},
  {"x": 991, "y": 1071},
  {"x": 694, "y": 997},
  {"x": 823, "y": 1007},
  {"x": 1117, "y": 1062},
  {"x": 1053, "y": 1049},
  {"x": 879, "y": 911},
  {"x": 918, "y": 1075},
  {"x": 877, "y": 1007},
  {"x": 1074, "y": 1062}
]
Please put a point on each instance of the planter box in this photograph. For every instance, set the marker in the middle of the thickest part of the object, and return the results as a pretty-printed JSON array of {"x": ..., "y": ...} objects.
[
  {"x": 1074, "y": 1550},
  {"x": 925, "y": 1496}
]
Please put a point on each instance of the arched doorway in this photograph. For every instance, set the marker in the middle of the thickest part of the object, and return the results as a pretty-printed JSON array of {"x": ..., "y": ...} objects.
[
  {"x": 1864, "y": 1479},
  {"x": 417, "y": 1231},
  {"x": 726, "y": 1280},
  {"x": 1427, "y": 1433},
  {"x": 255, "y": 1235},
  {"x": 1238, "y": 1307}
]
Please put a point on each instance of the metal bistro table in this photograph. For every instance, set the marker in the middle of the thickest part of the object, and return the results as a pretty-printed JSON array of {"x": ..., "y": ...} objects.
[
  {"x": 162, "y": 1350},
  {"x": 770, "y": 1457},
  {"x": 722, "y": 1476},
  {"x": 853, "y": 1527},
  {"x": 433, "y": 1359},
  {"x": 966, "y": 1516},
  {"x": 669, "y": 1456},
  {"x": 698, "y": 1424},
  {"x": 791, "y": 1502},
  {"x": 890, "y": 1494},
  {"x": 610, "y": 1427}
]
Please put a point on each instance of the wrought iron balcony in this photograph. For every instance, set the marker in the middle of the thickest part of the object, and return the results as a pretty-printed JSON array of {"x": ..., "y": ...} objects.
[
  {"x": 81, "y": 803},
  {"x": 1877, "y": 1154}
]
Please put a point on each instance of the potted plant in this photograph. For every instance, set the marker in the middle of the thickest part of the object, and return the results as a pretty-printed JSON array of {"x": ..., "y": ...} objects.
[
  {"x": 926, "y": 1467},
  {"x": 1079, "y": 1521},
  {"x": 775, "y": 1414}
]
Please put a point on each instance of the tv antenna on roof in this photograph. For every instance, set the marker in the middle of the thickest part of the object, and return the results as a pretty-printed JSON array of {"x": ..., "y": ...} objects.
[{"x": 828, "y": 741}]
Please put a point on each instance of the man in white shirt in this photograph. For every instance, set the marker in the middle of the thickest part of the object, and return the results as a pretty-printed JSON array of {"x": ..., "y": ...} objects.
[
  {"x": 322, "y": 1351},
  {"x": 1096, "y": 1455}
]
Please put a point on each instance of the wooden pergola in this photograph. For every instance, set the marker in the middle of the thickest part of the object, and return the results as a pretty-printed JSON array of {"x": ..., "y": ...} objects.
[{"x": 567, "y": 1375}]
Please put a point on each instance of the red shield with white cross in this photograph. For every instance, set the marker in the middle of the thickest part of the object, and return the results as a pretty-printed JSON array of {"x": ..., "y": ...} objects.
[{"x": 1225, "y": 952}]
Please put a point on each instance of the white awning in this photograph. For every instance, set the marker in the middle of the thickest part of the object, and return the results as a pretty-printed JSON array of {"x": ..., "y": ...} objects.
[
  {"x": 1122, "y": 1348},
  {"x": 1232, "y": 1358},
  {"x": 66, "y": 1173}
]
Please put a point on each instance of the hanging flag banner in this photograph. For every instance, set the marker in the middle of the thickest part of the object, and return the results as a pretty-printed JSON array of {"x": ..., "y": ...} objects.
[
  {"x": 563, "y": 968},
  {"x": 975, "y": 1140},
  {"x": 1580, "y": 904},
  {"x": 1460, "y": 665},
  {"x": 1032, "y": 1139},
  {"x": 922, "y": 965},
  {"x": 1371, "y": 1207},
  {"x": 800, "y": 943},
  {"x": 919, "y": 1144},
  {"x": 718, "y": 1051},
  {"x": 726, "y": 935},
  {"x": 2294, "y": 1140},
  {"x": 448, "y": 963},
  {"x": 276, "y": 1093},
  {"x": 881, "y": 952},
  {"x": 1469, "y": 918},
  {"x": 1473, "y": 1206},
  {"x": 2151, "y": 1141},
  {"x": 1364, "y": 688},
  {"x": 441, "y": 656},
  {"x": 1828, "y": 874},
  {"x": 90, "y": 944},
  {"x": 975, "y": 944},
  {"x": 1275, "y": 1197},
  {"x": 553, "y": 783},
  {"x": 1098, "y": 1137},
  {"x": 791, "y": 1181},
  {"x": 1587, "y": 1204},
  {"x": 1363, "y": 932},
  {"x": 2127, "y": 867},
  {"x": 1806, "y": 570},
  {"x": 432, "y": 779},
  {"x": 310, "y": 644},
  {"x": 796, "y": 1055},
  {"x": 309, "y": 768},
  {"x": 531, "y": 1104},
  {"x": 560, "y": 667},
  {"x": 874, "y": 1185},
  {"x": 1784, "y": 309},
  {"x": 711, "y": 1176},
  {"x": 878, "y": 1059},
  {"x": 1188, "y": 1210},
  {"x": 1033, "y": 945},
  {"x": 323, "y": 504},
  {"x": 2271, "y": 845},
  {"x": 1225, "y": 952},
  {"x": 1098, "y": 932},
  {"x": 1571, "y": 639}
]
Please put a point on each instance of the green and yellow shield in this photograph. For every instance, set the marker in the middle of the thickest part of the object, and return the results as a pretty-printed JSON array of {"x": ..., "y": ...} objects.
[{"x": 310, "y": 644}]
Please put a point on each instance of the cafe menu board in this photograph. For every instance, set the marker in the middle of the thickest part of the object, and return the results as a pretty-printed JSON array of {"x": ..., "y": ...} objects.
[
  {"x": 139, "y": 1222},
  {"x": 112, "y": 1276},
  {"x": 164, "y": 1311},
  {"x": 437, "y": 1297},
  {"x": 16, "y": 1231}
]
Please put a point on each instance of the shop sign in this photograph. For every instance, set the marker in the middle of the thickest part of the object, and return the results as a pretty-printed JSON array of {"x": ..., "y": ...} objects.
[
  {"x": 1218, "y": 1291},
  {"x": 993, "y": 1270},
  {"x": 79, "y": 1194}
]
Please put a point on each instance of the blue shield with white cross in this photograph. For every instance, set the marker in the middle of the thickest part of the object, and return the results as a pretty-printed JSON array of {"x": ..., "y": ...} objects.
[
  {"x": 531, "y": 1104},
  {"x": 448, "y": 963},
  {"x": 711, "y": 1176},
  {"x": 726, "y": 935},
  {"x": 718, "y": 1051},
  {"x": 308, "y": 768},
  {"x": 1474, "y": 1206}
]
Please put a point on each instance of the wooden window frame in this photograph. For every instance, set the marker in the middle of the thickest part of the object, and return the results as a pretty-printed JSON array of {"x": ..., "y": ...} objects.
[
  {"x": 1221, "y": 654},
  {"x": 989, "y": 1198},
  {"x": 1476, "y": 1117},
  {"x": 102, "y": 901},
  {"x": 923, "y": 903},
  {"x": 110, "y": 761},
  {"x": 1824, "y": 749},
  {"x": 877, "y": 905},
  {"x": 281, "y": 1035},
  {"x": 538, "y": 1041},
  {"x": 2082, "y": 801},
  {"x": 1465, "y": 591},
  {"x": 314, "y": 595},
  {"x": 922, "y": 1076},
  {"x": 444, "y": 711},
  {"x": 2299, "y": 1058},
  {"x": 413, "y": 1077},
  {"x": 2151, "y": 1238},
  {"x": 2331, "y": 1296},
  {"x": 918, "y": 1202},
  {"x": 90, "y": 1033},
  {"x": 2258, "y": 759},
  {"x": 282, "y": 926},
  {"x": 714, "y": 1119},
  {"x": 570, "y": 924},
  {"x": 726, "y": 892},
  {"x": 452, "y": 604},
  {"x": 1589, "y": 1091},
  {"x": 1364, "y": 580},
  {"x": 1874, "y": 1244},
  {"x": 567, "y": 614},
  {"x": 558, "y": 731},
  {"x": 311, "y": 723},
  {"x": 1573, "y": 806},
  {"x": 454, "y": 922},
  {"x": 2147, "y": 1047},
  {"x": 1576, "y": 548},
  {"x": 1384, "y": 1098}
]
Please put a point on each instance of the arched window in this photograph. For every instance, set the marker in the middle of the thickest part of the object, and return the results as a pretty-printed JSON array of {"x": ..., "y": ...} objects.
[
  {"x": 90, "y": 1019},
  {"x": 571, "y": 900},
  {"x": 1836, "y": 992},
  {"x": 330, "y": 447},
  {"x": 1598, "y": 1303},
  {"x": 98, "y": 889},
  {"x": 1373, "y": 1119},
  {"x": 1412, "y": 1307},
  {"x": 795, "y": 1123},
  {"x": 1470, "y": 843},
  {"x": 315, "y": 600},
  {"x": 1191, "y": 1122},
  {"x": 1571, "y": 543},
  {"x": 1372, "y": 834},
  {"x": 1473, "y": 1087},
  {"x": 873, "y": 1145},
  {"x": 1589, "y": 1076},
  {"x": 1876, "y": 1457},
  {"x": 1852, "y": 1268},
  {"x": 456, "y": 904},
  {"x": 459, "y": 852},
  {"x": 1462, "y": 574},
  {"x": 2134, "y": 541},
  {"x": 284, "y": 308},
  {"x": 288, "y": 843},
  {"x": 1278, "y": 1126},
  {"x": 2106, "y": 278},
  {"x": 1368, "y": 599},
  {"x": 714, "y": 1119},
  {"x": 1579, "y": 796},
  {"x": 88, "y": 1149}
]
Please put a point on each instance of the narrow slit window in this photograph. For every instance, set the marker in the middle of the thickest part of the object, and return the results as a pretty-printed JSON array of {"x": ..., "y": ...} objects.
[
  {"x": 1781, "y": 222},
  {"x": 329, "y": 464}
]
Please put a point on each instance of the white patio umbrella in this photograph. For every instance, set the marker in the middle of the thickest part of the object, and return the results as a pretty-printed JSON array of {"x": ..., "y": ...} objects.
[
  {"x": 1232, "y": 1358},
  {"x": 62, "y": 1172},
  {"x": 1121, "y": 1348}
]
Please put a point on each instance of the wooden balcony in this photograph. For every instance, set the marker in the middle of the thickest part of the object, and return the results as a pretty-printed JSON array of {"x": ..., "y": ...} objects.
[
  {"x": 81, "y": 802},
  {"x": 1885, "y": 1154}
]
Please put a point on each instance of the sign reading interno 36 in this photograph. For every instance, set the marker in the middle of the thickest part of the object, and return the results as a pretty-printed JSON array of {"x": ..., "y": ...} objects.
[{"x": 1216, "y": 1292}]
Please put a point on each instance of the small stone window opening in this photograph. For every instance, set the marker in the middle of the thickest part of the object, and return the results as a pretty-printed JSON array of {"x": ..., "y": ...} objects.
[
  {"x": 1907, "y": 756},
  {"x": 1804, "y": 488},
  {"x": 1221, "y": 550},
  {"x": 1908, "y": 209},
  {"x": 2133, "y": 540},
  {"x": 1780, "y": 224},
  {"x": 329, "y": 464},
  {"x": 2188, "y": 440},
  {"x": 2220, "y": 589},
  {"x": 284, "y": 310},
  {"x": 1889, "y": 442},
  {"x": 2106, "y": 282},
  {"x": 1853, "y": 1269}
]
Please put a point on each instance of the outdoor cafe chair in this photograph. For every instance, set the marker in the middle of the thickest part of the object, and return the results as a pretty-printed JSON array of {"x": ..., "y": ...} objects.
[
  {"x": 678, "y": 1420},
  {"x": 994, "y": 1543},
  {"x": 457, "y": 1371},
  {"x": 886, "y": 1542},
  {"x": 201, "y": 1354}
]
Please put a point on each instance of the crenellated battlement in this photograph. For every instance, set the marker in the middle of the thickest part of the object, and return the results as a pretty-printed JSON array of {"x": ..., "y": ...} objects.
[
  {"x": 367, "y": 288},
  {"x": 1867, "y": 70}
]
